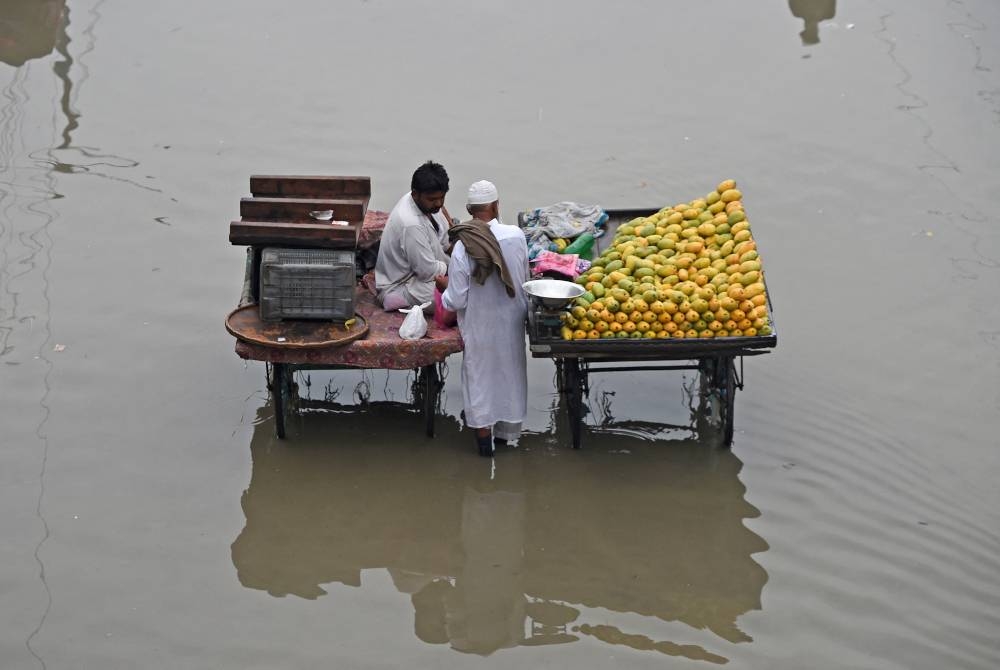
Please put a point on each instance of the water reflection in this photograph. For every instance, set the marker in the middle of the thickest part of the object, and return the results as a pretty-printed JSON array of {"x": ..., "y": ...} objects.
[
  {"x": 812, "y": 12},
  {"x": 548, "y": 547},
  {"x": 30, "y": 29}
]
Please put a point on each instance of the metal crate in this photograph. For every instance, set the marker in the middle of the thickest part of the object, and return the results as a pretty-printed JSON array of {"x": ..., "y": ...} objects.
[{"x": 306, "y": 284}]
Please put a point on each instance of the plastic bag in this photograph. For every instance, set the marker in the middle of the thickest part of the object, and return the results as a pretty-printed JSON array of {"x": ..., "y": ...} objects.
[
  {"x": 443, "y": 317},
  {"x": 565, "y": 219},
  {"x": 414, "y": 325}
]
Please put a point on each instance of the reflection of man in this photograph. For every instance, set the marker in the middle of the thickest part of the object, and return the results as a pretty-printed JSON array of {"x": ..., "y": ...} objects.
[
  {"x": 489, "y": 264},
  {"x": 29, "y": 29},
  {"x": 812, "y": 12},
  {"x": 485, "y": 609},
  {"x": 412, "y": 250},
  {"x": 488, "y": 605}
]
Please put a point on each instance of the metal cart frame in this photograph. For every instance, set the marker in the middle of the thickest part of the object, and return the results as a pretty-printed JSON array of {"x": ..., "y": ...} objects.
[
  {"x": 280, "y": 373},
  {"x": 283, "y": 390}
]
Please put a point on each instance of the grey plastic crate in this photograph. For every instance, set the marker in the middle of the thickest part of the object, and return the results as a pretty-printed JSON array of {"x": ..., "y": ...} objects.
[{"x": 306, "y": 284}]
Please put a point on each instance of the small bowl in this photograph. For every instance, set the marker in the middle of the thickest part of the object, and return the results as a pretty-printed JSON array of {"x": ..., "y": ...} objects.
[
  {"x": 322, "y": 214},
  {"x": 552, "y": 293}
]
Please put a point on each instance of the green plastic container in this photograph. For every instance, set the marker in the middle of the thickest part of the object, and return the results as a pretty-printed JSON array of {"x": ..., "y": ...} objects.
[{"x": 583, "y": 246}]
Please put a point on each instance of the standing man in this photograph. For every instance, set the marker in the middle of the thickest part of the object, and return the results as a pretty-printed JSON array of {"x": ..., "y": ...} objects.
[
  {"x": 489, "y": 263},
  {"x": 412, "y": 249}
]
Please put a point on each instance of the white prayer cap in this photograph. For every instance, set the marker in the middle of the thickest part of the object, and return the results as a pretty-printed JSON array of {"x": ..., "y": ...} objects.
[{"x": 483, "y": 193}]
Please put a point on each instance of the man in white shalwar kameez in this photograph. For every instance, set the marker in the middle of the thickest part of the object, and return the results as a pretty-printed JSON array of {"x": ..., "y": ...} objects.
[
  {"x": 412, "y": 248},
  {"x": 489, "y": 263}
]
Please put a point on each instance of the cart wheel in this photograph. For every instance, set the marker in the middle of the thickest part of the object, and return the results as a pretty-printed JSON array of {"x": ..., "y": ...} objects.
[
  {"x": 726, "y": 376},
  {"x": 430, "y": 390},
  {"x": 279, "y": 395},
  {"x": 574, "y": 382}
]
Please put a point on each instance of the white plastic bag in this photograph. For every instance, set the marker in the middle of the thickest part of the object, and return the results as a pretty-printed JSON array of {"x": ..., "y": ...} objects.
[{"x": 415, "y": 324}]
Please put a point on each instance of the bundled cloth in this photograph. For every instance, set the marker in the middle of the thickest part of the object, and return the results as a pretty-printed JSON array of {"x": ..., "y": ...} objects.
[{"x": 564, "y": 219}]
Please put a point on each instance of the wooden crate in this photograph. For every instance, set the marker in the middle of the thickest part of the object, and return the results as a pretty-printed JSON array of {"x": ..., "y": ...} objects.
[{"x": 277, "y": 213}]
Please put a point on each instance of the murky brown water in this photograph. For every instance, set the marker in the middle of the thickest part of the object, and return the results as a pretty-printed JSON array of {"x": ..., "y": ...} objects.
[{"x": 150, "y": 518}]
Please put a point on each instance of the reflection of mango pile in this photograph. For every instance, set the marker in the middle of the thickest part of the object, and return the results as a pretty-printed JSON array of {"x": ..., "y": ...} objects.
[{"x": 690, "y": 270}]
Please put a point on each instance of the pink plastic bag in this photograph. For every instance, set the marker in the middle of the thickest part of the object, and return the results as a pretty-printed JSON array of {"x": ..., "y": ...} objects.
[
  {"x": 445, "y": 318},
  {"x": 549, "y": 261}
]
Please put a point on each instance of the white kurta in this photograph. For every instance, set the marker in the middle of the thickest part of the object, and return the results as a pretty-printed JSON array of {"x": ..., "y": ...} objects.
[
  {"x": 411, "y": 252},
  {"x": 494, "y": 374}
]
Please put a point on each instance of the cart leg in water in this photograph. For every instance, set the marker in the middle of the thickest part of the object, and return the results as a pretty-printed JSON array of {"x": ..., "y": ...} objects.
[
  {"x": 279, "y": 384},
  {"x": 429, "y": 387},
  {"x": 724, "y": 383},
  {"x": 574, "y": 379}
]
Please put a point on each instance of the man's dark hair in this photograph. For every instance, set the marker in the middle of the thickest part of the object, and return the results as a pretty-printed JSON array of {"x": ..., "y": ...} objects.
[{"x": 430, "y": 178}]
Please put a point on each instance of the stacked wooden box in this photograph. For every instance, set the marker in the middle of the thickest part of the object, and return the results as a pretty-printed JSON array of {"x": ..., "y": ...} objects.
[{"x": 300, "y": 280}]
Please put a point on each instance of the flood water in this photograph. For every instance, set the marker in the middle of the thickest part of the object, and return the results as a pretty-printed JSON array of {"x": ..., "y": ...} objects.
[{"x": 150, "y": 518}]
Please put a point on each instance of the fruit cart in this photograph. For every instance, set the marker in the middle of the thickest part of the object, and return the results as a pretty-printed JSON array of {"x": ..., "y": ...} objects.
[{"x": 719, "y": 360}]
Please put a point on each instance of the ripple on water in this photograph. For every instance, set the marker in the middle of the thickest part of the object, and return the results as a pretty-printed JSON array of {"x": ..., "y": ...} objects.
[{"x": 875, "y": 553}]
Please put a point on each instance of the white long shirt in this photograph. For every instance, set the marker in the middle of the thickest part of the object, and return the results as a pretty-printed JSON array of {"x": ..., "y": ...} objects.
[
  {"x": 411, "y": 252},
  {"x": 494, "y": 374}
]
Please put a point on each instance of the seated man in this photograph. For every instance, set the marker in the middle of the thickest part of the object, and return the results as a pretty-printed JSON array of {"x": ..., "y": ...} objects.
[{"x": 412, "y": 250}]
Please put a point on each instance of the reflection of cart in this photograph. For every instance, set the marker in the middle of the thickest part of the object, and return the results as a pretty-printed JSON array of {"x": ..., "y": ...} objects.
[
  {"x": 532, "y": 553},
  {"x": 575, "y": 360}
]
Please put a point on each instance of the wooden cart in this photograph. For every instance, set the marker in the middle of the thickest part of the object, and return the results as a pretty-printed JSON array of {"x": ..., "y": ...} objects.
[
  {"x": 380, "y": 349},
  {"x": 719, "y": 360},
  {"x": 281, "y": 212}
]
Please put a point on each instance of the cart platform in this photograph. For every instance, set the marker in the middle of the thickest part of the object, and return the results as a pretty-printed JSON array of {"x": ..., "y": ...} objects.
[
  {"x": 543, "y": 344},
  {"x": 382, "y": 348}
]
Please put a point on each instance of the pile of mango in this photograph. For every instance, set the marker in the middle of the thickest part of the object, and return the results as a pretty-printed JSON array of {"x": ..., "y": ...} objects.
[{"x": 687, "y": 271}]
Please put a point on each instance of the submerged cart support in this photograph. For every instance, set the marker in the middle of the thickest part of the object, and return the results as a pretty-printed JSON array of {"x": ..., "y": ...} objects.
[
  {"x": 572, "y": 376},
  {"x": 278, "y": 382},
  {"x": 576, "y": 389},
  {"x": 379, "y": 348},
  {"x": 284, "y": 393},
  {"x": 429, "y": 387}
]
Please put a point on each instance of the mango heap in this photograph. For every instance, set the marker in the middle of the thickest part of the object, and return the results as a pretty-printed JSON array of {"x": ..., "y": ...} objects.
[{"x": 690, "y": 270}]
